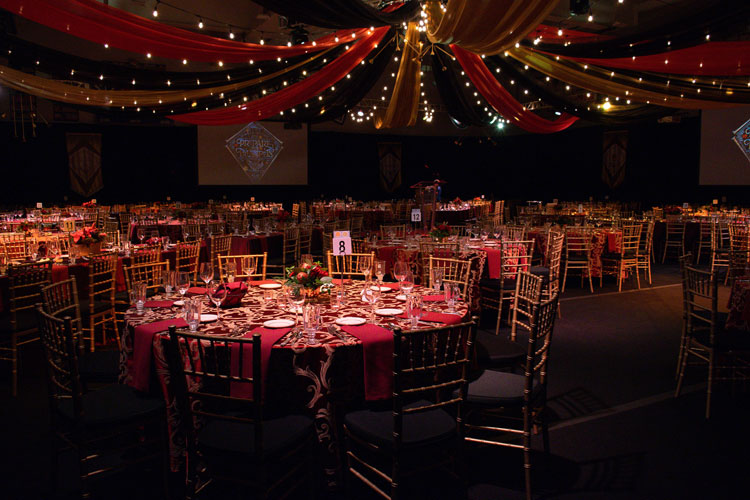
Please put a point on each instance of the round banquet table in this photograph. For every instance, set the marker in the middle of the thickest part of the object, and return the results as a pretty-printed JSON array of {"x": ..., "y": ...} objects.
[{"x": 299, "y": 376}]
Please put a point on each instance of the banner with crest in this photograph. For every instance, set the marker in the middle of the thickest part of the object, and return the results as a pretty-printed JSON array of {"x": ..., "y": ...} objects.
[
  {"x": 85, "y": 163},
  {"x": 389, "y": 154},
  {"x": 615, "y": 150}
]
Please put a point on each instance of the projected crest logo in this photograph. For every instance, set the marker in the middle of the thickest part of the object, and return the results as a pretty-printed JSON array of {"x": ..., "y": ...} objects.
[
  {"x": 742, "y": 138},
  {"x": 255, "y": 149}
]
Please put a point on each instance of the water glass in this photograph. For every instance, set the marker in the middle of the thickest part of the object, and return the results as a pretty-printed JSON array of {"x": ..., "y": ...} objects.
[
  {"x": 337, "y": 298},
  {"x": 206, "y": 272},
  {"x": 407, "y": 284},
  {"x": 231, "y": 271},
  {"x": 371, "y": 295},
  {"x": 183, "y": 282},
  {"x": 311, "y": 321},
  {"x": 170, "y": 282},
  {"x": 452, "y": 294},
  {"x": 193, "y": 309},
  {"x": 249, "y": 265},
  {"x": 138, "y": 296},
  {"x": 414, "y": 309},
  {"x": 436, "y": 278},
  {"x": 268, "y": 297},
  {"x": 380, "y": 270}
]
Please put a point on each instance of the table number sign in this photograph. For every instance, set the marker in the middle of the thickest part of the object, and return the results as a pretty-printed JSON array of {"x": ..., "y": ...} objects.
[
  {"x": 416, "y": 215},
  {"x": 38, "y": 205},
  {"x": 685, "y": 206},
  {"x": 274, "y": 210},
  {"x": 342, "y": 243}
]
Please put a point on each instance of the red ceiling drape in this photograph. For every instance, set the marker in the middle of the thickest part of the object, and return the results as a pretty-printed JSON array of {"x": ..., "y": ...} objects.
[
  {"x": 102, "y": 24},
  {"x": 713, "y": 58},
  {"x": 293, "y": 95},
  {"x": 501, "y": 100}
]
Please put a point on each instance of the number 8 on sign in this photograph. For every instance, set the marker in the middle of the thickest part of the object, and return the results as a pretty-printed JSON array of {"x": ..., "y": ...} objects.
[{"x": 342, "y": 243}]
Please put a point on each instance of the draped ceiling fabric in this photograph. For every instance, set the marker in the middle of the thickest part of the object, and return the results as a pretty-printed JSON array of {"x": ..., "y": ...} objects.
[
  {"x": 404, "y": 105},
  {"x": 484, "y": 26},
  {"x": 292, "y": 95},
  {"x": 453, "y": 96},
  {"x": 588, "y": 79},
  {"x": 340, "y": 14},
  {"x": 501, "y": 100},
  {"x": 714, "y": 58},
  {"x": 102, "y": 24},
  {"x": 71, "y": 94}
]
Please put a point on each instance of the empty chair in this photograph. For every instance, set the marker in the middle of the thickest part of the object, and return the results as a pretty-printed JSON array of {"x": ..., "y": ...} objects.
[
  {"x": 350, "y": 266},
  {"x": 674, "y": 238},
  {"x": 220, "y": 381},
  {"x": 503, "y": 408},
  {"x": 187, "y": 254},
  {"x": 643, "y": 259},
  {"x": 626, "y": 257},
  {"x": 99, "y": 309},
  {"x": 578, "y": 253},
  {"x": 220, "y": 245},
  {"x": 250, "y": 267},
  {"x": 705, "y": 239},
  {"x": 455, "y": 271},
  {"x": 420, "y": 430}
]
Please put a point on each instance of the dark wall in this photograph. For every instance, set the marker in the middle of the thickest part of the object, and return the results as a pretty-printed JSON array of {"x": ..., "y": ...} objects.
[{"x": 153, "y": 162}]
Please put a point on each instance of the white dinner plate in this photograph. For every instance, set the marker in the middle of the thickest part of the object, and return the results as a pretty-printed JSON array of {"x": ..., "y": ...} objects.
[
  {"x": 208, "y": 318},
  {"x": 350, "y": 321},
  {"x": 278, "y": 323},
  {"x": 179, "y": 303},
  {"x": 388, "y": 311},
  {"x": 270, "y": 286},
  {"x": 400, "y": 296},
  {"x": 382, "y": 288}
]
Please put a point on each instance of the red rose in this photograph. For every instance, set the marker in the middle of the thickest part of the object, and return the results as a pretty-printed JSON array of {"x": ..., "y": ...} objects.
[
  {"x": 306, "y": 266},
  {"x": 301, "y": 276}
]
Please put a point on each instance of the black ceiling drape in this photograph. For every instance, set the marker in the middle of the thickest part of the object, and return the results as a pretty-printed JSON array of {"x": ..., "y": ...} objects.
[{"x": 340, "y": 14}]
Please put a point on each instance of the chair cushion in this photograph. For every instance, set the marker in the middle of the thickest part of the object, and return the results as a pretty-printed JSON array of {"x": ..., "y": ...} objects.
[
  {"x": 419, "y": 429},
  {"x": 112, "y": 404},
  {"x": 279, "y": 435},
  {"x": 495, "y": 388},
  {"x": 100, "y": 366},
  {"x": 498, "y": 351},
  {"x": 25, "y": 320}
]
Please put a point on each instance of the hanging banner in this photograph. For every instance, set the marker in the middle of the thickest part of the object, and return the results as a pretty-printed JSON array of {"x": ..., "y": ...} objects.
[
  {"x": 85, "y": 163},
  {"x": 741, "y": 137},
  {"x": 389, "y": 154},
  {"x": 615, "y": 150}
]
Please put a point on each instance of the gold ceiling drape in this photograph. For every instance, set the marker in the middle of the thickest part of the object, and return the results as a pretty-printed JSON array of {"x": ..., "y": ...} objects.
[
  {"x": 404, "y": 106},
  {"x": 595, "y": 79},
  {"x": 485, "y": 26},
  {"x": 72, "y": 94}
]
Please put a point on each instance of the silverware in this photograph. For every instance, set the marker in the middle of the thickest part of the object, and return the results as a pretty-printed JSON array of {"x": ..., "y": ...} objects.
[
  {"x": 293, "y": 337},
  {"x": 333, "y": 330}
]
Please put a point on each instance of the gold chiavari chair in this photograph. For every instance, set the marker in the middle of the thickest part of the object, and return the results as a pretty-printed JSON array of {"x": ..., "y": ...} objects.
[
  {"x": 111, "y": 421},
  {"x": 419, "y": 432},
  {"x": 499, "y": 213},
  {"x": 393, "y": 230},
  {"x": 360, "y": 246},
  {"x": 143, "y": 255},
  {"x": 551, "y": 272},
  {"x": 502, "y": 407},
  {"x": 578, "y": 253},
  {"x": 515, "y": 257},
  {"x": 18, "y": 328},
  {"x": 645, "y": 249},
  {"x": 675, "y": 237},
  {"x": 357, "y": 226},
  {"x": 720, "y": 246},
  {"x": 455, "y": 271},
  {"x": 348, "y": 266},
  {"x": 200, "y": 366},
  {"x": 151, "y": 273},
  {"x": 295, "y": 211},
  {"x": 460, "y": 230},
  {"x": 428, "y": 249},
  {"x": 220, "y": 245},
  {"x": 125, "y": 219},
  {"x": 187, "y": 254},
  {"x": 305, "y": 240},
  {"x": 15, "y": 247},
  {"x": 627, "y": 256},
  {"x": 256, "y": 262},
  {"x": 191, "y": 231},
  {"x": 528, "y": 294},
  {"x": 515, "y": 233},
  {"x": 705, "y": 239},
  {"x": 724, "y": 351},
  {"x": 100, "y": 307},
  {"x": 216, "y": 228}
]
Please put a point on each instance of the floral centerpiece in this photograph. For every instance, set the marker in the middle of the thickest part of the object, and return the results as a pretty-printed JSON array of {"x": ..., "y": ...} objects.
[
  {"x": 282, "y": 216},
  {"x": 25, "y": 227},
  {"x": 89, "y": 204},
  {"x": 672, "y": 210},
  {"x": 88, "y": 240},
  {"x": 441, "y": 231},
  {"x": 312, "y": 276}
]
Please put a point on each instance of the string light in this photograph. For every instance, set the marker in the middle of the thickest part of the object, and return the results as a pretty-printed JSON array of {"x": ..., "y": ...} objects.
[
  {"x": 200, "y": 23},
  {"x": 155, "y": 13},
  {"x": 231, "y": 33}
]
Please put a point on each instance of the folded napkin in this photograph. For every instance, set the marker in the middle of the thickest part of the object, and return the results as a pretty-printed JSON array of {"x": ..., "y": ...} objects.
[
  {"x": 377, "y": 351},
  {"x": 493, "y": 262},
  {"x": 436, "y": 317},
  {"x": 433, "y": 298},
  {"x": 261, "y": 282},
  {"x": 158, "y": 303},
  {"x": 196, "y": 290},
  {"x": 143, "y": 338},
  {"x": 268, "y": 337}
]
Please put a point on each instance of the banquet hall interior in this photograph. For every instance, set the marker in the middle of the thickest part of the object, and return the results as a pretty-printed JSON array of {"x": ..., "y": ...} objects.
[{"x": 354, "y": 249}]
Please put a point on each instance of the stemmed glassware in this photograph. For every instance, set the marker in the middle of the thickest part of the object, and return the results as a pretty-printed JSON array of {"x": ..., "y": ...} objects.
[
  {"x": 380, "y": 271},
  {"x": 365, "y": 267},
  {"x": 407, "y": 283},
  {"x": 141, "y": 234},
  {"x": 216, "y": 293},
  {"x": 414, "y": 309},
  {"x": 296, "y": 299},
  {"x": 452, "y": 294},
  {"x": 400, "y": 268},
  {"x": 249, "y": 265},
  {"x": 371, "y": 295},
  {"x": 206, "y": 272},
  {"x": 183, "y": 283},
  {"x": 231, "y": 271},
  {"x": 497, "y": 232},
  {"x": 436, "y": 278}
]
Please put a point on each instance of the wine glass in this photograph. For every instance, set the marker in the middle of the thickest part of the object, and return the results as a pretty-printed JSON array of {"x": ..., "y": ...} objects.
[
  {"x": 380, "y": 270},
  {"x": 141, "y": 234},
  {"x": 296, "y": 298},
  {"x": 365, "y": 267},
  {"x": 400, "y": 268},
  {"x": 497, "y": 232},
  {"x": 371, "y": 295},
  {"x": 216, "y": 293},
  {"x": 436, "y": 278},
  {"x": 249, "y": 265},
  {"x": 407, "y": 284},
  {"x": 414, "y": 309},
  {"x": 183, "y": 283},
  {"x": 206, "y": 272},
  {"x": 165, "y": 242}
]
